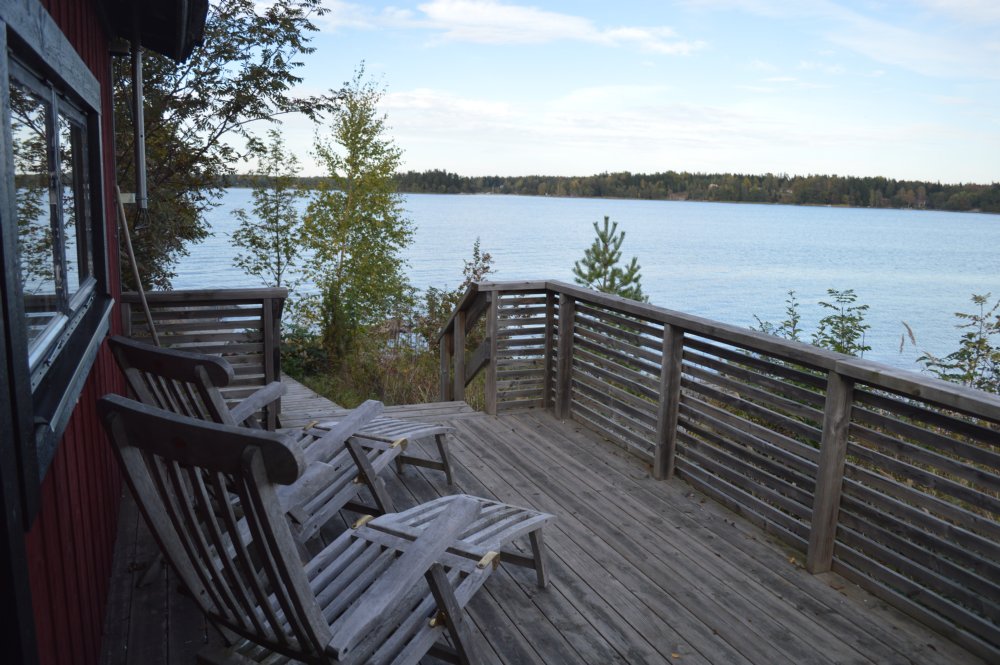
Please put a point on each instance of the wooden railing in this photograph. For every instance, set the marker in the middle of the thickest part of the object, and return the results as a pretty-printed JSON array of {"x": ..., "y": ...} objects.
[
  {"x": 241, "y": 325},
  {"x": 888, "y": 477}
]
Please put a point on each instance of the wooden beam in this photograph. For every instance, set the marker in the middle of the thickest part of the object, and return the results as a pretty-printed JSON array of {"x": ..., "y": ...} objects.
[
  {"x": 550, "y": 322},
  {"x": 476, "y": 309},
  {"x": 669, "y": 403},
  {"x": 479, "y": 358},
  {"x": 830, "y": 474},
  {"x": 458, "y": 356},
  {"x": 491, "y": 339},
  {"x": 210, "y": 295},
  {"x": 564, "y": 368},
  {"x": 270, "y": 344},
  {"x": 924, "y": 388},
  {"x": 445, "y": 392}
]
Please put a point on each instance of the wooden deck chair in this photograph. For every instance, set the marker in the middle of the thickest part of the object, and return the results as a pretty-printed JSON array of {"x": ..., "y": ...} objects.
[
  {"x": 207, "y": 492},
  {"x": 339, "y": 462},
  {"x": 190, "y": 384}
]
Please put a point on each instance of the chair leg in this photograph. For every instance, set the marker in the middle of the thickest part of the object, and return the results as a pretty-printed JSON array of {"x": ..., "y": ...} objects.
[
  {"x": 538, "y": 554},
  {"x": 455, "y": 622},
  {"x": 371, "y": 478},
  {"x": 442, "y": 447}
]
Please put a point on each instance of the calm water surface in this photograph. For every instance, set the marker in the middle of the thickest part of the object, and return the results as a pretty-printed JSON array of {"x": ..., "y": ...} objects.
[{"x": 724, "y": 261}]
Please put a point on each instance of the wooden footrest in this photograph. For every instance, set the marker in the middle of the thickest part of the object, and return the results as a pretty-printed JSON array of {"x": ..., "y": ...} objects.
[{"x": 497, "y": 528}]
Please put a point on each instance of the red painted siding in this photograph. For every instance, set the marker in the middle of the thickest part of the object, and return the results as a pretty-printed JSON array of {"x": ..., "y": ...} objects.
[{"x": 70, "y": 545}]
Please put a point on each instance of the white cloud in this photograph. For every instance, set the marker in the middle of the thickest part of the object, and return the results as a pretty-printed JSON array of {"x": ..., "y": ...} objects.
[
  {"x": 927, "y": 54},
  {"x": 952, "y": 100},
  {"x": 494, "y": 22},
  {"x": 449, "y": 107},
  {"x": 938, "y": 48},
  {"x": 637, "y": 128},
  {"x": 762, "y": 66},
  {"x": 824, "y": 67},
  {"x": 346, "y": 15},
  {"x": 972, "y": 11}
]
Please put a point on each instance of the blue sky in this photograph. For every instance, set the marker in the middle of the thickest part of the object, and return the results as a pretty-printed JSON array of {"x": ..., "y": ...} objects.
[{"x": 904, "y": 89}]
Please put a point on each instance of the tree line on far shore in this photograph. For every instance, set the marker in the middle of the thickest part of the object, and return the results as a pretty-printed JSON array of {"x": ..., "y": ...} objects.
[
  {"x": 833, "y": 190},
  {"x": 867, "y": 192}
]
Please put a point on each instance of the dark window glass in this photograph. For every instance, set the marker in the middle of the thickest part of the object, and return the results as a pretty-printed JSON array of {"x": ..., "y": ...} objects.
[
  {"x": 29, "y": 119},
  {"x": 75, "y": 217},
  {"x": 55, "y": 247}
]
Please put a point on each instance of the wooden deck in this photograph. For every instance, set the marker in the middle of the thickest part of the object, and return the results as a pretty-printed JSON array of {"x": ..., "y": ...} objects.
[{"x": 642, "y": 571}]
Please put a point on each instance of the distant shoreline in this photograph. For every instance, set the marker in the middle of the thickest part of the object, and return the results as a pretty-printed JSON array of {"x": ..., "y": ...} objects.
[
  {"x": 763, "y": 203},
  {"x": 781, "y": 189},
  {"x": 811, "y": 190}
]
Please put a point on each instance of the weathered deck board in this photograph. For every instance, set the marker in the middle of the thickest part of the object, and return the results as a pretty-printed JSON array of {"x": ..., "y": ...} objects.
[
  {"x": 641, "y": 571},
  {"x": 148, "y": 622}
]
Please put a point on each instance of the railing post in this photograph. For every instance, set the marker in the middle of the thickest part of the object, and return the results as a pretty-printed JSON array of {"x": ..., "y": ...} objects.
[
  {"x": 445, "y": 389},
  {"x": 669, "y": 404},
  {"x": 550, "y": 322},
  {"x": 492, "y": 323},
  {"x": 270, "y": 341},
  {"x": 830, "y": 473},
  {"x": 458, "y": 356},
  {"x": 564, "y": 368}
]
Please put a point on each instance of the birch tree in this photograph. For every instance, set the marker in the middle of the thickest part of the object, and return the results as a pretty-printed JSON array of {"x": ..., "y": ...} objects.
[{"x": 355, "y": 224}]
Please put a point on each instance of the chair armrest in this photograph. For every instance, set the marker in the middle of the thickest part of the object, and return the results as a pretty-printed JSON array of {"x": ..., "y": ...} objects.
[
  {"x": 406, "y": 571},
  {"x": 331, "y": 444},
  {"x": 317, "y": 477},
  {"x": 257, "y": 401}
]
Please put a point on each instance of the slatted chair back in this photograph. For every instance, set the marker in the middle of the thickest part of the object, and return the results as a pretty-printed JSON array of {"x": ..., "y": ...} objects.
[
  {"x": 207, "y": 492},
  {"x": 183, "y": 382}
]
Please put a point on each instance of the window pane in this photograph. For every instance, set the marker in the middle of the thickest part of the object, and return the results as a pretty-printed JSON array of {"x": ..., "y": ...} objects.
[
  {"x": 35, "y": 209},
  {"x": 76, "y": 227}
]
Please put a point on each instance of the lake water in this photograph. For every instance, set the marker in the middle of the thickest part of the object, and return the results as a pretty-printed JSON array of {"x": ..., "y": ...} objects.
[{"x": 724, "y": 261}]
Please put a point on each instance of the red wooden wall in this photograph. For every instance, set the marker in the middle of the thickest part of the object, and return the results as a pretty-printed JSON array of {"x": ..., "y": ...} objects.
[{"x": 71, "y": 542}]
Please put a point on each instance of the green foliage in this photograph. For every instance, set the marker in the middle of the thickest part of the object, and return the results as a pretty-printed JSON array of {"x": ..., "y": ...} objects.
[
  {"x": 270, "y": 240},
  {"x": 843, "y": 329},
  {"x": 244, "y": 73},
  {"x": 976, "y": 363},
  {"x": 864, "y": 192},
  {"x": 391, "y": 374},
  {"x": 302, "y": 352},
  {"x": 789, "y": 328},
  {"x": 439, "y": 304},
  {"x": 386, "y": 363},
  {"x": 355, "y": 224},
  {"x": 599, "y": 269}
]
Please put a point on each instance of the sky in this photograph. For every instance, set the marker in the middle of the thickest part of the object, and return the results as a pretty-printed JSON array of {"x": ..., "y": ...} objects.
[{"x": 907, "y": 89}]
